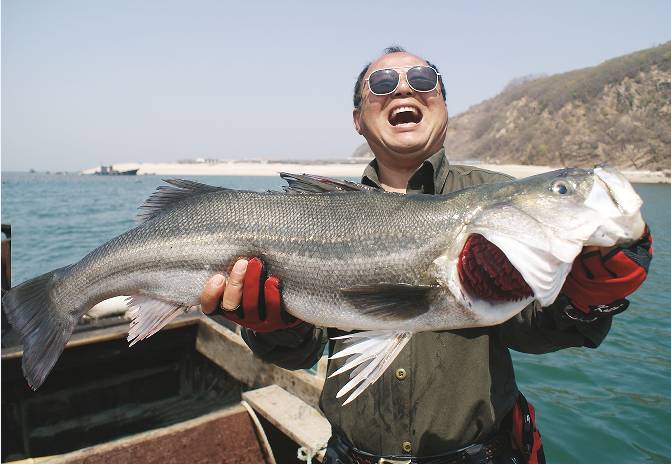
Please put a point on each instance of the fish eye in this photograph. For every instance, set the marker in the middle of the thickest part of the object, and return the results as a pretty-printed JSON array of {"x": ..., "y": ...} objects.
[{"x": 560, "y": 187}]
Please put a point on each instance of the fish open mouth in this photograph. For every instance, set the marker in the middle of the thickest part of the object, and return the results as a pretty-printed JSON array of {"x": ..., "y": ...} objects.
[
  {"x": 487, "y": 274},
  {"x": 405, "y": 115}
]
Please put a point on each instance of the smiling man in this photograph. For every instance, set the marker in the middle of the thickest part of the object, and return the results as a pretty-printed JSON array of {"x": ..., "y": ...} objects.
[
  {"x": 449, "y": 396},
  {"x": 402, "y": 124}
]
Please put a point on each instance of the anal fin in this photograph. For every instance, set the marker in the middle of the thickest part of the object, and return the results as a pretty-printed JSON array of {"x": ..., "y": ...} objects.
[
  {"x": 149, "y": 315},
  {"x": 369, "y": 355}
]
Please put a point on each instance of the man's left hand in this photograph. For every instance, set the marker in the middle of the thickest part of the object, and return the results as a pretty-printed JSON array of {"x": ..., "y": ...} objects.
[{"x": 601, "y": 278}]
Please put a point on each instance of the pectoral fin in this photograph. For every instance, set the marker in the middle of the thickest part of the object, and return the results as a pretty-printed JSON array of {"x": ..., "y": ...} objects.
[{"x": 391, "y": 300}]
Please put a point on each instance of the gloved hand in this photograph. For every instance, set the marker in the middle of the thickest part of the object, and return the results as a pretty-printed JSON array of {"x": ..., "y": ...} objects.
[
  {"x": 598, "y": 283},
  {"x": 250, "y": 298}
]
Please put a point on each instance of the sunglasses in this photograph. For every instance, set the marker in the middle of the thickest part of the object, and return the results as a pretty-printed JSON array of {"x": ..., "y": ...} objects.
[{"x": 419, "y": 78}]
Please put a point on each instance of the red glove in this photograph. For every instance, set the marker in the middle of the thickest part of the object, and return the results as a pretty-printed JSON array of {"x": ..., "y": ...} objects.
[
  {"x": 261, "y": 311},
  {"x": 598, "y": 284}
]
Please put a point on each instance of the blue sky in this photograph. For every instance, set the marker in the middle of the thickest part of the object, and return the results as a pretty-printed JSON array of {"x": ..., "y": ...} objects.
[{"x": 89, "y": 82}]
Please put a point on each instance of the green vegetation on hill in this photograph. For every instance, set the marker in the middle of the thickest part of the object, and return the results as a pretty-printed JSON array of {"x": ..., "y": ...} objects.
[
  {"x": 583, "y": 85},
  {"x": 617, "y": 112}
]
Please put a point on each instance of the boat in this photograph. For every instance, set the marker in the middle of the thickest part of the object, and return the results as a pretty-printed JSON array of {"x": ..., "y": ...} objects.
[
  {"x": 110, "y": 171},
  {"x": 193, "y": 392}
]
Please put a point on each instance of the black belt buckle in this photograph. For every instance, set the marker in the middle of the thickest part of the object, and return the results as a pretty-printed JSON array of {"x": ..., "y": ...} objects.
[
  {"x": 475, "y": 453},
  {"x": 337, "y": 451}
]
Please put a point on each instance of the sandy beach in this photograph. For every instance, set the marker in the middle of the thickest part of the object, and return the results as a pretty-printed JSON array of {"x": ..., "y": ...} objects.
[{"x": 328, "y": 168}]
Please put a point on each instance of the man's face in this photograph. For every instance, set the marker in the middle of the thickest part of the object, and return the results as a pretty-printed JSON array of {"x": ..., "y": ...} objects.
[{"x": 404, "y": 127}]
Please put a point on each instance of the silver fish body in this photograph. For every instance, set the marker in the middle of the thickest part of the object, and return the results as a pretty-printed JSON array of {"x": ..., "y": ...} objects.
[{"x": 365, "y": 260}]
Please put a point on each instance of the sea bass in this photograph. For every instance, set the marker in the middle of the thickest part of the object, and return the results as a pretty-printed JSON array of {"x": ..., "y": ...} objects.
[{"x": 384, "y": 264}]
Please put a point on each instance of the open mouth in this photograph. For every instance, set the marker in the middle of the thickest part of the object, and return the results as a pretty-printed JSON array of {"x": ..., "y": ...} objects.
[
  {"x": 405, "y": 115},
  {"x": 487, "y": 274}
]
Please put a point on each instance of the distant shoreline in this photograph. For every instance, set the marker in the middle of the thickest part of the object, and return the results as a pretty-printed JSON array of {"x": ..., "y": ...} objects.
[{"x": 331, "y": 168}]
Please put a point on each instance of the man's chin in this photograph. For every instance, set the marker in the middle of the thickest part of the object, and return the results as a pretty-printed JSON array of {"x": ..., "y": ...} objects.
[{"x": 408, "y": 146}]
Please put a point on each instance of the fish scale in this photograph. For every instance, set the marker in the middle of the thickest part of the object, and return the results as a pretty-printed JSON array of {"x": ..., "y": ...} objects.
[{"x": 311, "y": 270}]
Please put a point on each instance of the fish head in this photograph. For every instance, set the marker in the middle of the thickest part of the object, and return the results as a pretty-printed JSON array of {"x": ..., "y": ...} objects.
[
  {"x": 526, "y": 234},
  {"x": 572, "y": 208}
]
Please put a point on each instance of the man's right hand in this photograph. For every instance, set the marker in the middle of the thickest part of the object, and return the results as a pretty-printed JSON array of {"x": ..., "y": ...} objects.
[
  {"x": 228, "y": 292},
  {"x": 248, "y": 297}
]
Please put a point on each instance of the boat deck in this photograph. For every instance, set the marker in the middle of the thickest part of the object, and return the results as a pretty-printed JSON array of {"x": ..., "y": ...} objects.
[{"x": 109, "y": 402}]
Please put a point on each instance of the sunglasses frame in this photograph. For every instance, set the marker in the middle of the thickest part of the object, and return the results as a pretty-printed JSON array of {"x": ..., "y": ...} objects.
[{"x": 398, "y": 82}]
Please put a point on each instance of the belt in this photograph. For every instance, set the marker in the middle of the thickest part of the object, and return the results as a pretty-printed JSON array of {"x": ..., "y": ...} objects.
[{"x": 480, "y": 453}]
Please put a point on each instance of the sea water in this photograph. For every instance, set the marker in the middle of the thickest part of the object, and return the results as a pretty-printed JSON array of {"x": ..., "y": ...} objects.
[{"x": 611, "y": 404}]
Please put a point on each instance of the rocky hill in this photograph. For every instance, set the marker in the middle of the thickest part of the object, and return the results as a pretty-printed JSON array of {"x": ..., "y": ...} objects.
[{"x": 617, "y": 112}]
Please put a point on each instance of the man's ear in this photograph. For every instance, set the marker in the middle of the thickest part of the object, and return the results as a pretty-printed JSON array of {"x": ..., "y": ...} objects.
[{"x": 356, "y": 116}]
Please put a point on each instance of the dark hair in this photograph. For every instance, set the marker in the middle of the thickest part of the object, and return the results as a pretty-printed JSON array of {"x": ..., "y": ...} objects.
[{"x": 387, "y": 51}]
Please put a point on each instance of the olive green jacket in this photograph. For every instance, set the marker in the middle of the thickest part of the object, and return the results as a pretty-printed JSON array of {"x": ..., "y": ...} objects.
[{"x": 445, "y": 389}]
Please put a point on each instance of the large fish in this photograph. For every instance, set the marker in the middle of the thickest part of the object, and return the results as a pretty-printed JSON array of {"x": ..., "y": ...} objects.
[{"x": 387, "y": 264}]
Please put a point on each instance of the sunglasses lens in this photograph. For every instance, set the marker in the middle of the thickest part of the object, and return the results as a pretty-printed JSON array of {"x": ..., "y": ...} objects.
[
  {"x": 422, "y": 78},
  {"x": 383, "y": 81}
]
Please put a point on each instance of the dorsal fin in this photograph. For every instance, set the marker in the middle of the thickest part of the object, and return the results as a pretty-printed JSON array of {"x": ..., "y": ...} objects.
[
  {"x": 308, "y": 183},
  {"x": 167, "y": 196}
]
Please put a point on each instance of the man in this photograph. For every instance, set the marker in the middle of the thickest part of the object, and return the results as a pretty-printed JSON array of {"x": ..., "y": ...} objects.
[{"x": 448, "y": 396}]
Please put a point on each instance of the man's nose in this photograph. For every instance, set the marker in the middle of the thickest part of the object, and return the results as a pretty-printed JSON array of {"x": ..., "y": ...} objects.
[{"x": 403, "y": 89}]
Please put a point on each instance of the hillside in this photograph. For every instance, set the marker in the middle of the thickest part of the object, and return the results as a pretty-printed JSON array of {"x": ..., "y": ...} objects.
[{"x": 617, "y": 112}]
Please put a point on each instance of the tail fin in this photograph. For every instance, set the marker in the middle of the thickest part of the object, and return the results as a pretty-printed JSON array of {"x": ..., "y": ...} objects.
[{"x": 44, "y": 328}]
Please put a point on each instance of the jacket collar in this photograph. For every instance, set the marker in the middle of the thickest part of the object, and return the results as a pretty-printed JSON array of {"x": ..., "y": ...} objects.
[{"x": 430, "y": 176}]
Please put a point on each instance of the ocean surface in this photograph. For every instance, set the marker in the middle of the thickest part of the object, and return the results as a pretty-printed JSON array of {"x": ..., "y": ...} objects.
[{"x": 608, "y": 405}]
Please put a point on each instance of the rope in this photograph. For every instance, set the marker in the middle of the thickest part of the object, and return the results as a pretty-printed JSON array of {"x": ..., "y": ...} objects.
[
  {"x": 267, "y": 451},
  {"x": 308, "y": 454}
]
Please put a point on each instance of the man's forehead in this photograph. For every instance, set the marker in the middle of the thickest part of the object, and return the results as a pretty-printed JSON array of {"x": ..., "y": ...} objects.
[{"x": 397, "y": 59}]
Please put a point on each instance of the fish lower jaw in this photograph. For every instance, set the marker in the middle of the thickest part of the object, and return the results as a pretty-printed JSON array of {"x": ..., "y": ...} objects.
[
  {"x": 489, "y": 314},
  {"x": 623, "y": 231}
]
